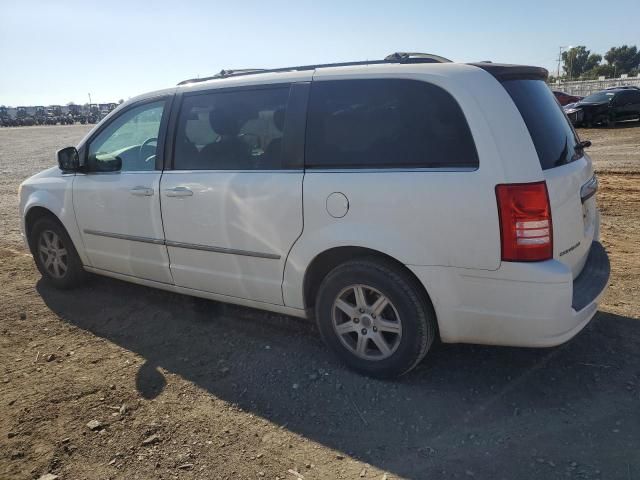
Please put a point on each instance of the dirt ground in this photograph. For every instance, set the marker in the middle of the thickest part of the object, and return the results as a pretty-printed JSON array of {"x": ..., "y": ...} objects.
[{"x": 186, "y": 389}]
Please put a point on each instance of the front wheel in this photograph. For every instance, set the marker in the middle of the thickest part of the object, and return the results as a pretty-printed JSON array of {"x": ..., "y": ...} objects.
[
  {"x": 55, "y": 255},
  {"x": 375, "y": 317}
]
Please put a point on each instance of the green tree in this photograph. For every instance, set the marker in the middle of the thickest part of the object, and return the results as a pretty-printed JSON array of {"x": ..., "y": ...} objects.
[
  {"x": 578, "y": 60},
  {"x": 624, "y": 59},
  {"x": 599, "y": 71}
]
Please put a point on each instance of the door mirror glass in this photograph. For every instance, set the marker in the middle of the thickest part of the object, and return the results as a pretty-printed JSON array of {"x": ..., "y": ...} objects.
[{"x": 68, "y": 159}]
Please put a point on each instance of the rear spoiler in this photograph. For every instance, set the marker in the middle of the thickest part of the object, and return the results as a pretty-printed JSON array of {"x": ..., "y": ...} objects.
[{"x": 505, "y": 71}]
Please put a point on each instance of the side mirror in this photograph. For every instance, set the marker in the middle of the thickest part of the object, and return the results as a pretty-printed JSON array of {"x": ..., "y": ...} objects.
[{"x": 68, "y": 159}]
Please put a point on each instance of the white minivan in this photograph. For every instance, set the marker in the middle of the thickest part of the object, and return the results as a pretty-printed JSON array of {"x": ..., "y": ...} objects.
[{"x": 396, "y": 201}]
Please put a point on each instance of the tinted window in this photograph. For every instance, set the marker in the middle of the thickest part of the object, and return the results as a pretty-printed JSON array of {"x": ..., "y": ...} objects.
[
  {"x": 132, "y": 137},
  {"x": 552, "y": 134},
  {"x": 386, "y": 123},
  {"x": 629, "y": 96},
  {"x": 240, "y": 130},
  {"x": 600, "y": 97}
]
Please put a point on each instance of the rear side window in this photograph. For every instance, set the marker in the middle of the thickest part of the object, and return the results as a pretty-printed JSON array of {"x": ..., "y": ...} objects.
[
  {"x": 232, "y": 130},
  {"x": 386, "y": 123},
  {"x": 552, "y": 134}
]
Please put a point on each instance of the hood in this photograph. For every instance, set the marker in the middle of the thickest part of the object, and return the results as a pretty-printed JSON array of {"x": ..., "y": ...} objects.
[{"x": 590, "y": 104}]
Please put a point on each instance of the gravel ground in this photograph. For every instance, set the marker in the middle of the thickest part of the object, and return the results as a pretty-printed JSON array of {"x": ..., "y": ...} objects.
[{"x": 182, "y": 388}]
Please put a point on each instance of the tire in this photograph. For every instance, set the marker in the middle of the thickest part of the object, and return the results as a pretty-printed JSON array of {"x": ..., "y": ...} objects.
[
  {"x": 608, "y": 121},
  {"x": 408, "y": 328},
  {"x": 49, "y": 238}
]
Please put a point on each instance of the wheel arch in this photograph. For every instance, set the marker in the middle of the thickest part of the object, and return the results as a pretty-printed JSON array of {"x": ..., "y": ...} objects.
[
  {"x": 327, "y": 260},
  {"x": 34, "y": 214},
  {"x": 37, "y": 212}
]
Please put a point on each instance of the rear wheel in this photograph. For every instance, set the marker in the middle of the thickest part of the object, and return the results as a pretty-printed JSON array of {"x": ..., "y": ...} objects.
[
  {"x": 375, "y": 317},
  {"x": 54, "y": 254}
]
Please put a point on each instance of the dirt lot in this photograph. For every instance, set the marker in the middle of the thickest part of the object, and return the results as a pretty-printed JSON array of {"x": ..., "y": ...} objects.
[{"x": 186, "y": 389}]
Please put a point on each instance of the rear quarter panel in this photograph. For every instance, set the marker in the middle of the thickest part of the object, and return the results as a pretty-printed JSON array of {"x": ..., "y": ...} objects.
[{"x": 421, "y": 217}]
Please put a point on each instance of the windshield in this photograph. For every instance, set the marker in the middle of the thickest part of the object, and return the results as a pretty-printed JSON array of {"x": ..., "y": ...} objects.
[
  {"x": 553, "y": 136},
  {"x": 598, "y": 97}
]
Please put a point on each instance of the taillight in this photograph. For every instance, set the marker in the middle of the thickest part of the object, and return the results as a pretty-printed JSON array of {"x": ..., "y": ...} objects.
[{"x": 525, "y": 222}]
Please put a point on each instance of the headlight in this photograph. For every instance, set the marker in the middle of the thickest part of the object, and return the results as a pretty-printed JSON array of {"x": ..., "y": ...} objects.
[{"x": 571, "y": 110}]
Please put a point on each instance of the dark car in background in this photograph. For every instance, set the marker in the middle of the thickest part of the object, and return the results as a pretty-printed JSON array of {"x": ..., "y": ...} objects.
[
  {"x": 624, "y": 87},
  {"x": 605, "y": 108},
  {"x": 565, "y": 98}
]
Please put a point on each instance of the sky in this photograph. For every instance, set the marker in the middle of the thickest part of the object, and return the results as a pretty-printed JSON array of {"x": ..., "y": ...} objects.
[{"x": 58, "y": 51}]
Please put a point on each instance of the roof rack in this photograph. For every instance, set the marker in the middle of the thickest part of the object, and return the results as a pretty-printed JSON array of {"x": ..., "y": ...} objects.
[{"x": 397, "y": 57}]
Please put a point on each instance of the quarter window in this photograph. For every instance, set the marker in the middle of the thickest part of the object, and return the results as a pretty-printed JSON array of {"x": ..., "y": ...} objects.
[
  {"x": 238, "y": 130},
  {"x": 553, "y": 136},
  {"x": 132, "y": 137},
  {"x": 382, "y": 123}
]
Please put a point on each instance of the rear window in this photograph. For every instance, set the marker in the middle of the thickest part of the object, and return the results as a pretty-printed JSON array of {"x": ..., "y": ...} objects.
[
  {"x": 386, "y": 123},
  {"x": 552, "y": 134}
]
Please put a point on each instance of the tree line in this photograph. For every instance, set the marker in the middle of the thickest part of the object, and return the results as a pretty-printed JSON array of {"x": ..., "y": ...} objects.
[{"x": 578, "y": 63}]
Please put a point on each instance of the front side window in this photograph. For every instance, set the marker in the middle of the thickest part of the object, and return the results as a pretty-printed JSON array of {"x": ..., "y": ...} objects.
[
  {"x": 237, "y": 130},
  {"x": 628, "y": 97},
  {"x": 132, "y": 138},
  {"x": 386, "y": 123}
]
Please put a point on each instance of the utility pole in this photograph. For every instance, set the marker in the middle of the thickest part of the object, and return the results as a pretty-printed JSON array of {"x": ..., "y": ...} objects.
[
  {"x": 559, "y": 60},
  {"x": 89, "y": 99},
  {"x": 568, "y": 47}
]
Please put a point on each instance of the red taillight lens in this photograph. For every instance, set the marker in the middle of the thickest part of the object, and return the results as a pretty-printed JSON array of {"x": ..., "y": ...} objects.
[{"x": 525, "y": 222}]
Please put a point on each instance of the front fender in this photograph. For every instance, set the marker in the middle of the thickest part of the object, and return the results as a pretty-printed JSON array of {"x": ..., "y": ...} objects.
[{"x": 54, "y": 194}]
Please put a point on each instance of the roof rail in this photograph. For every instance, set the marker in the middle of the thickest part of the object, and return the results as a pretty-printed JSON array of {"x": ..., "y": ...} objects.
[
  {"x": 397, "y": 57},
  {"x": 415, "y": 57}
]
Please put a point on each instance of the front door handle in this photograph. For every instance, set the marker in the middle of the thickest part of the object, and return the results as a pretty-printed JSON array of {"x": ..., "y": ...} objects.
[
  {"x": 178, "y": 192},
  {"x": 141, "y": 191}
]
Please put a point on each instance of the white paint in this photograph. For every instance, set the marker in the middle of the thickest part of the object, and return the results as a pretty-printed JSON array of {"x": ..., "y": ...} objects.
[{"x": 442, "y": 224}]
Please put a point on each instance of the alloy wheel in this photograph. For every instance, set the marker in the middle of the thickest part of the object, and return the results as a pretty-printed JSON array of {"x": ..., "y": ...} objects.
[
  {"x": 53, "y": 254},
  {"x": 366, "y": 322}
]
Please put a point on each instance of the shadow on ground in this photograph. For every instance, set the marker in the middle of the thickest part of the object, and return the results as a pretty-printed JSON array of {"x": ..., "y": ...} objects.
[{"x": 488, "y": 412}]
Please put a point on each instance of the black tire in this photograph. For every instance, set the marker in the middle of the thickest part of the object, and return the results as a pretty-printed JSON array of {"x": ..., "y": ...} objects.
[
  {"x": 75, "y": 273},
  {"x": 414, "y": 309}
]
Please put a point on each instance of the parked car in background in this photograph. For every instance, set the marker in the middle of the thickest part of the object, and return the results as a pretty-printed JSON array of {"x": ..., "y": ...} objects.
[
  {"x": 394, "y": 201},
  {"x": 565, "y": 98},
  {"x": 624, "y": 87},
  {"x": 605, "y": 108}
]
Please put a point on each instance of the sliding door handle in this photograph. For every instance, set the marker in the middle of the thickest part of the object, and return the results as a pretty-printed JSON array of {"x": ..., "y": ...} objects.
[
  {"x": 141, "y": 191},
  {"x": 178, "y": 192}
]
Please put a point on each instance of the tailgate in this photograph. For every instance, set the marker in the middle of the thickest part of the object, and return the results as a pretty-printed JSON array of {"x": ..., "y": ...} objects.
[
  {"x": 565, "y": 167},
  {"x": 573, "y": 212}
]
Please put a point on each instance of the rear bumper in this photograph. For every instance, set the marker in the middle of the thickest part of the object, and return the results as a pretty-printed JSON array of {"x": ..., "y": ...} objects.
[
  {"x": 520, "y": 304},
  {"x": 593, "y": 279}
]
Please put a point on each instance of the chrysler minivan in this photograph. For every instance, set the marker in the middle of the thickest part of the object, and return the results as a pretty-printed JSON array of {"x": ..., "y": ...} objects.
[{"x": 396, "y": 202}]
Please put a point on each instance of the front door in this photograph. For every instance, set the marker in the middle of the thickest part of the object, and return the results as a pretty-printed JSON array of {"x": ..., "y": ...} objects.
[
  {"x": 118, "y": 210},
  {"x": 232, "y": 204}
]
